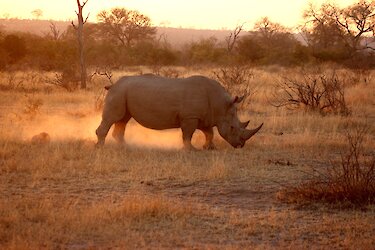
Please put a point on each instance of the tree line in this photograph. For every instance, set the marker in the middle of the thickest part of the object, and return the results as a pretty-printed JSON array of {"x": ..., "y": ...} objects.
[{"x": 123, "y": 37}]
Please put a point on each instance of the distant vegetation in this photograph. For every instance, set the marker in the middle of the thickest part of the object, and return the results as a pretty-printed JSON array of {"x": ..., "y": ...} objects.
[{"x": 124, "y": 37}]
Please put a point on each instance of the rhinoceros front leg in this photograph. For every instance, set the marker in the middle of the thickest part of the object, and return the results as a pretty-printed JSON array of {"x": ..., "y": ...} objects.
[
  {"x": 188, "y": 127},
  {"x": 209, "y": 134},
  {"x": 102, "y": 131}
]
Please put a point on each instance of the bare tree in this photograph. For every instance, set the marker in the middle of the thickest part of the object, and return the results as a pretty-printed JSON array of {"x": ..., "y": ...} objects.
[
  {"x": 233, "y": 37},
  {"x": 79, "y": 30},
  {"x": 54, "y": 33}
]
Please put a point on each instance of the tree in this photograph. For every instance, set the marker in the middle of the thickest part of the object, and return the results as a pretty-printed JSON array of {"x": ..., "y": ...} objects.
[
  {"x": 37, "y": 13},
  {"x": 125, "y": 26},
  {"x": 14, "y": 47},
  {"x": 249, "y": 50},
  {"x": 338, "y": 33},
  {"x": 205, "y": 51},
  {"x": 1, "y": 31},
  {"x": 269, "y": 32},
  {"x": 356, "y": 21},
  {"x": 322, "y": 33},
  {"x": 268, "y": 43},
  {"x": 79, "y": 29},
  {"x": 277, "y": 41}
]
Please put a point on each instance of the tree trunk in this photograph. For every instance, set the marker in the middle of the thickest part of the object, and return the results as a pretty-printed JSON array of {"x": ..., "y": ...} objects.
[{"x": 81, "y": 22}]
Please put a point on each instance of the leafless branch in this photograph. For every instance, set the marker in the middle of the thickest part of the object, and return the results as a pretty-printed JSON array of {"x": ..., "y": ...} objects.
[
  {"x": 315, "y": 92},
  {"x": 84, "y": 3},
  {"x": 107, "y": 73},
  {"x": 87, "y": 17},
  {"x": 74, "y": 26},
  {"x": 233, "y": 37}
]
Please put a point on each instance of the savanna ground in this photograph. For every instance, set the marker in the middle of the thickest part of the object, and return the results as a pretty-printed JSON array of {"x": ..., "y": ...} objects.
[{"x": 152, "y": 194}]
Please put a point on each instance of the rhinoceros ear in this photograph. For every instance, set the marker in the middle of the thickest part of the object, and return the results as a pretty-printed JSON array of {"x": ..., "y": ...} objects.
[{"x": 238, "y": 99}]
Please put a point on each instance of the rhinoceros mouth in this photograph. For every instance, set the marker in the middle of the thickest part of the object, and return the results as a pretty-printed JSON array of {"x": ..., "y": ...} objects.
[{"x": 239, "y": 145}]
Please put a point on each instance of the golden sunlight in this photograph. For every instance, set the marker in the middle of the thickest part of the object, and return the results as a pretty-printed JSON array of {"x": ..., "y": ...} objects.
[{"x": 209, "y": 14}]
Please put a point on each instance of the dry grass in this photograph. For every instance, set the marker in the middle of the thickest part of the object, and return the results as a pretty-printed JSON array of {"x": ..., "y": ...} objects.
[
  {"x": 349, "y": 181},
  {"x": 150, "y": 194}
]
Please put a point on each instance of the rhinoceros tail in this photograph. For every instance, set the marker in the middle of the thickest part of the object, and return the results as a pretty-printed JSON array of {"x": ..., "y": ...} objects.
[{"x": 108, "y": 87}]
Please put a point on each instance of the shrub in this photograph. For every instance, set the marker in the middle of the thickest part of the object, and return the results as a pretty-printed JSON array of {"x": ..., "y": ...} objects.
[
  {"x": 68, "y": 79},
  {"x": 320, "y": 92},
  {"x": 100, "y": 95},
  {"x": 15, "y": 47},
  {"x": 32, "y": 106},
  {"x": 236, "y": 80}
]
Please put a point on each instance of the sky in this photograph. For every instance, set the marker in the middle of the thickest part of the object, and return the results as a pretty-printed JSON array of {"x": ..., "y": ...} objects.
[{"x": 198, "y": 14}]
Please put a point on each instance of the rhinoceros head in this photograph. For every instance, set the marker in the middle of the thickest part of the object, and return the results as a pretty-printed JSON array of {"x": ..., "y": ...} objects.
[{"x": 232, "y": 129}]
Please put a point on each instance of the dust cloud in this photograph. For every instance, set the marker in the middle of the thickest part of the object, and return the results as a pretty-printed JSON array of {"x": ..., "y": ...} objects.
[{"x": 62, "y": 127}]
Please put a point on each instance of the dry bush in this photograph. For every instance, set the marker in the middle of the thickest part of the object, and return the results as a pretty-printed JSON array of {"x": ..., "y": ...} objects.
[
  {"x": 165, "y": 71},
  {"x": 11, "y": 81},
  {"x": 24, "y": 81},
  {"x": 236, "y": 80},
  {"x": 32, "y": 106},
  {"x": 103, "y": 72},
  {"x": 99, "y": 97},
  {"x": 360, "y": 75},
  {"x": 68, "y": 79},
  {"x": 348, "y": 180},
  {"x": 322, "y": 92}
]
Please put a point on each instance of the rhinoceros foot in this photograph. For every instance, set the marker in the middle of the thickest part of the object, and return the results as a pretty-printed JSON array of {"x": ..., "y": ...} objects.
[{"x": 210, "y": 146}]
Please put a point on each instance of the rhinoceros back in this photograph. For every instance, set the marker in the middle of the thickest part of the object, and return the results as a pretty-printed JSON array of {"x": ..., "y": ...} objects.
[{"x": 161, "y": 103}]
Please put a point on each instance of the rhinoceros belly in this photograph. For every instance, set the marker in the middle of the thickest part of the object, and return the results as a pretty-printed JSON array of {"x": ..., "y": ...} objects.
[
  {"x": 155, "y": 118},
  {"x": 155, "y": 108}
]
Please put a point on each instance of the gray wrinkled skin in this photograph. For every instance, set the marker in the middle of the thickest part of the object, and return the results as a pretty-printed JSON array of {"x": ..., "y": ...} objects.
[{"x": 159, "y": 103}]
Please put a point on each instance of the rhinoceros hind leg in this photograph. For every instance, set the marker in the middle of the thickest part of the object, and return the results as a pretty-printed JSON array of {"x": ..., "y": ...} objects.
[
  {"x": 119, "y": 130},
  {"x": 209, "y": 134},
  {"x": 188, "y": 127}
]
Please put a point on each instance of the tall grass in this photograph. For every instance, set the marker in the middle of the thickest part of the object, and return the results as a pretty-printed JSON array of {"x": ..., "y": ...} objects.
[{"x": 64, "y": 193}]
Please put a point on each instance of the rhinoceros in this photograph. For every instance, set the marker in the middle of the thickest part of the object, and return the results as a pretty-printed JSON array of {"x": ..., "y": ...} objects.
[{"x": 156, "y": 102}]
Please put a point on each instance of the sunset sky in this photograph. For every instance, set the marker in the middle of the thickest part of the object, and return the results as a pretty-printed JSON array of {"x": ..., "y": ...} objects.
[{"x": 200, "y": 14}]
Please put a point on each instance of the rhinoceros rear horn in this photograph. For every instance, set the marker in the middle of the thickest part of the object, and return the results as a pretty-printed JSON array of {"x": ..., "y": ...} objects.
[
  {"x": 250, "y": 132},
  {"x": 244, "y": 124},
  {"x": 238, "y": 99}
]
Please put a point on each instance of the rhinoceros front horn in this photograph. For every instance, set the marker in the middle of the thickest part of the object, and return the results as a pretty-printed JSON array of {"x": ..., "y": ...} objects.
[{"x": 250, "y": 132}]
